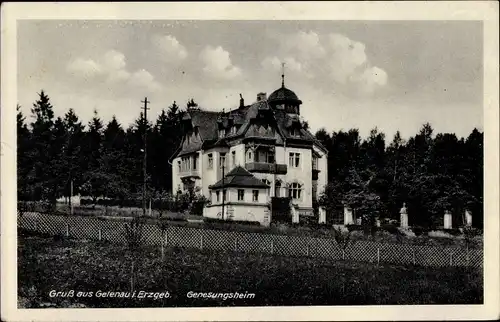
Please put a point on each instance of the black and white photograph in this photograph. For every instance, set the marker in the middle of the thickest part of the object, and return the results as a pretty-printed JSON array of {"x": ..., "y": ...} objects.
[{"x": 209, "y": 163}]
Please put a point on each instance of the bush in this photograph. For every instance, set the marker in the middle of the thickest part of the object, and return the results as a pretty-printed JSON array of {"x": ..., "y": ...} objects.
[
  {"x": 439, "y": 234},
  {"x": 390, "y": 228}
]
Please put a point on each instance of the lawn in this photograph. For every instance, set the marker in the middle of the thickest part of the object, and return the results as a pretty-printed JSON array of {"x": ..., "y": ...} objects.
[{"x": 46, "y": 264}]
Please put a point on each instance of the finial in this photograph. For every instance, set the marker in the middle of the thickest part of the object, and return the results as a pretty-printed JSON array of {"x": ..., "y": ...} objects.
[{"x": 283, "y": 75}]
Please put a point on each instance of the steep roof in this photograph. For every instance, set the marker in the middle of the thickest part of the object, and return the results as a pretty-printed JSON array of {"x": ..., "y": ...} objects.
[
  {"x": 239, "y": 177},
  {"x": 206, "y": 121},
  {"x": 283, "y": 94}
]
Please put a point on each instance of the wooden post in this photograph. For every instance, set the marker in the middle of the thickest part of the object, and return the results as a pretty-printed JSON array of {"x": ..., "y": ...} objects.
[
  {"x": 378, "y": 255},
  {"x": 67, "y": 230},
  {"x": 36, "y": 222},
  {"x": 201, "y": 241},
  {"x": 99, "y": 233},
  {"x": 272, "y": 246},
  {"x": 451, "y": 259},
  {"x": 236, "y": 244},
  {"x": 166, "y": 238},
  {"x": 307, "y": 249},
  {"x": 343, "y": 254},
  {"x": 413, "y": 253}
]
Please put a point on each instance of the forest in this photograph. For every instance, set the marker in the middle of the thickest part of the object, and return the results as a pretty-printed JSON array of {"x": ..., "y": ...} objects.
[{"x": 429, "y": 172}]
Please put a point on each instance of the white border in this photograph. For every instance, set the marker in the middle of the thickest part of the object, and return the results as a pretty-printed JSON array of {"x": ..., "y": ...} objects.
[{"x": 487, "y": 11}]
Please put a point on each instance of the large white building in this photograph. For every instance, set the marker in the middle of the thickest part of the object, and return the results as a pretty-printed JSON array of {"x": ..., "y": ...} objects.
[{"x": 267, "y": 138}]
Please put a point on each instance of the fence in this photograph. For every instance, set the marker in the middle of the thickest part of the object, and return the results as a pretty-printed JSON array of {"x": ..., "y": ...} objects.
[{"x": 95, "y": 228}]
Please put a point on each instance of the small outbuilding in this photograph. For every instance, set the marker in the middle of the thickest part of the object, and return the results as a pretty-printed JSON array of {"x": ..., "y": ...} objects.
[{"x": 239, "y": 196}]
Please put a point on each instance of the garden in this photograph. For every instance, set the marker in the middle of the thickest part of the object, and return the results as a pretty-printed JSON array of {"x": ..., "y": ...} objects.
[{"x": 48, "y": 263}]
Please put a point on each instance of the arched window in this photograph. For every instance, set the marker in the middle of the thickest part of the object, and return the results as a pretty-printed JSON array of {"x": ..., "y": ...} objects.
[
  {"x": 294, "y": 190},
  {"x": 277, "y": 189}
]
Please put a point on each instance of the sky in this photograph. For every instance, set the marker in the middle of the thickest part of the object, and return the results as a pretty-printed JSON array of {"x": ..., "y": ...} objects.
[{"x": 393, "y": 75}]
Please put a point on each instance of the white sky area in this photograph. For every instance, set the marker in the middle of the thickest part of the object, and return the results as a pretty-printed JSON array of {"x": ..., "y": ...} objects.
[{"x": 394, "y": 75}]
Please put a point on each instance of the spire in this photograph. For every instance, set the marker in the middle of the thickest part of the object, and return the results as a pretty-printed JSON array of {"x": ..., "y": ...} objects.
[{"x": 283, "y": 75}]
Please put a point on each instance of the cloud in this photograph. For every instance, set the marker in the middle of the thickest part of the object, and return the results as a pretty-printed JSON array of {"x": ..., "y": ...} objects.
[
  {"x": 330, "y": 58},
  {"x": 111, "y": 68},
  {"x": 372, "y": 78},
  {"x": 114, "y": 60},
  {"x": 274, "y": 63},
  {"x": 345, "y": 57},
  {"x": 143, "y": 78},
  {"x": 304, "y": 44},
  {"x": 217, "y": 63},
  {"x": 171, "y": 49},
  {"x": 83, "y": 68}
]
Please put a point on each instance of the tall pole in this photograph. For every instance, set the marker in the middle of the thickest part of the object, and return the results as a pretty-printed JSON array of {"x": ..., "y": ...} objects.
[
  {"x": 144, "y": 160},
  {"x": 223, "y": 191},
  {"x": 71, "y": 197}
]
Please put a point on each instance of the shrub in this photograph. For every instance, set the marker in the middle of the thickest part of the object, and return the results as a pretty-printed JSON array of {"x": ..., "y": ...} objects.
[
  {"x": 390, "y": 228},
  {"x": 439, "y": 234}
]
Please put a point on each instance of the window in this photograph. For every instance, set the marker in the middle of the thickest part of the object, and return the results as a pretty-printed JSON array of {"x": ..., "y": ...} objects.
[
  {"x": 233, "y": 156},
  {"x": 241, "y": 194},
  {"x": 255, "y": 195},
  {"x": 222, "y": 160},
  {"x": 222, "y": 133},
  {"x": 185, "y": 164},
  {"x": 224, "y": 195},
  {"x": 210, "y": 161},
  {"x": 315, "y": 163},
  {"x": 277, "y": 189},
  {"x": 233, "y": 130},
  {"x": 195, "y": 161},
  {"x": 294, "y": 132},
  {"x": 294, "y": 190},
  {"x": 217, "y": 195},
  {"x": 294, "y": 160},
  {"x": 249, "y": 156},
  {"x": 179, "y": 165}
]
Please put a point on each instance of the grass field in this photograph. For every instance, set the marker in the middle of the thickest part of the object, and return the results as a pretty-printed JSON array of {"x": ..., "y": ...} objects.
[{"x": 46, "y": 264}]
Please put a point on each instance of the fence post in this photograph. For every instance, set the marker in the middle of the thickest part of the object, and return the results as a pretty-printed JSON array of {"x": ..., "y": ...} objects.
[
  {"x": 67, "y": 230},
  {"x": 235, "y": 244},
  {"x": 307, "y": 249},
  {"x": 413, "y": 252},
  {"x": 343, "y": 254},
  {"x": 378, "y": 255},
  {"x": 166, "y": 238},
  {"x": 163, "y": 247},
  {"x": 451, "y": 258},
  {"x": 467, "y": 256},
  {"x": 272, "y": 246},
  {"x": 36, "y": 224},
  {"x": 99, "y": 233},
  {"x": 201, "y": 241}
]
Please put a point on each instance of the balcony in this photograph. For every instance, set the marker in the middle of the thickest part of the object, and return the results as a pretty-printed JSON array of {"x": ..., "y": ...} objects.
[
  {"x": 189, "y": 174},
  {"x": 265, "y": 167}
]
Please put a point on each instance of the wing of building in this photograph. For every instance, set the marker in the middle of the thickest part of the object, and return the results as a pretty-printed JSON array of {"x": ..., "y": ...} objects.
[{"x": 267, "y": 138}]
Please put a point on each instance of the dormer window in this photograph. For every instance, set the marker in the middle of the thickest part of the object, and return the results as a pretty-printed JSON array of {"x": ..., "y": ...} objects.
[
  {"x": 295, "y": 132},
  {"x": 233, "y": 130},
  {"x": 222, "y": 133}
]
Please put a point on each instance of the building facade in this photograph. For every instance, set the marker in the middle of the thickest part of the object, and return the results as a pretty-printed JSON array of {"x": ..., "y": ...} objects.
[{"x": 267, "y": 138}]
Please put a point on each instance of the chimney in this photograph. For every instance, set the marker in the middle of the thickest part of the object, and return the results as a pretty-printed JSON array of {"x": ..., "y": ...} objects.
[
  {"x": 242, "y": 102},
  {"x": 261, "y": 97}
]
